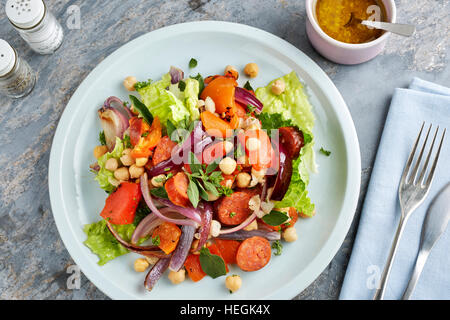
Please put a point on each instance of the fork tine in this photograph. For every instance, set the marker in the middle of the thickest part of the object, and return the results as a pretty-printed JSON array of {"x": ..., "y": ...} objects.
[
  {"x": 413, "y": 175},
  {"x": 424, "y": 168},
  {"x": 411, "y": 156},
  {"x": 430, "y": 176}
]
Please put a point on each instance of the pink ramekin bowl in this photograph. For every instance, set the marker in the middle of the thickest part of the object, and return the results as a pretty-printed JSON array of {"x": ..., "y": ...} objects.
[{"x": 341, "y": 52}]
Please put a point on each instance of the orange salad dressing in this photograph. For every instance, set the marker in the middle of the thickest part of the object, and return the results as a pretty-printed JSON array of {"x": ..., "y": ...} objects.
[{"x": 333, "y": 15}]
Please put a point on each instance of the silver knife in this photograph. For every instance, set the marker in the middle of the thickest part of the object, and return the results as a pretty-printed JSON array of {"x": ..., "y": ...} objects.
[{"x": 436, "y": 221}]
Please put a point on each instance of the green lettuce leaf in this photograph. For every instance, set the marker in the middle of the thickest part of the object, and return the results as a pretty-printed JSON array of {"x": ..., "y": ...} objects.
[
  {"x": 189, "y": 96},
  {"x": 292, "y": 104},
  {"x": 163, "y": 103},
  {"x": 103, "y": 176},
  {"x": 102, "y": 242}
]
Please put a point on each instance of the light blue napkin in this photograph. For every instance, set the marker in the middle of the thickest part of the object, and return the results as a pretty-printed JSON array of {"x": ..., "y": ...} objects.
[{"x": 423, "y": 101}]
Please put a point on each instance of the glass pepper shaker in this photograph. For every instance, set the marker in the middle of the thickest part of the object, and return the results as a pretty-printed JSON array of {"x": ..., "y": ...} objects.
[
  {"x": 17, "y": 79},
  {"x": 35, "y": 24}
]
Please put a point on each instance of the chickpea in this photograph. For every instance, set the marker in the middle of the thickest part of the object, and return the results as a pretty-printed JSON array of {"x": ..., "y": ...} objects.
[
  {"x": 122, "y": 174},
  {"x": 230, "y": 70},
  {"x": 140, "y": 162},
  {"x": 127, "y": 160},
  {"x": 135, "y": 171},
  {"x": 177, "y": 277},
  {"x": 215, "y": 228},
  {"x": 251, "y": 69},
  {"x": 252, "y": 226},
  {"x": 99, "y": 151},
  {"x": 290, "y": 234},
  {"x": 126, "y": 151},
  {"x": 210, "y": 105},
  {"x": 243, "y": 180},
  {"x": 152, "y": 260},
  {"x": 233, "y": 283},
  {"x": 278, "y": 87},
  {"x": 140, "y": 265},
  {"x": 227, "y": 146},
  {"x": 111, "y": 164},
  {"x": 227, "y": 165},
  {"x": 158, "y": 181},
  {"x": 212, "y": 196},
  {"x": 129, "y": 83},
  {"x": 253, "y": 144}
]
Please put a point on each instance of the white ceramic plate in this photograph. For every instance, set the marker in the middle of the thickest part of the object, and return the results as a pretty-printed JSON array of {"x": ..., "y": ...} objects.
[{"x": 76, "y": 198}]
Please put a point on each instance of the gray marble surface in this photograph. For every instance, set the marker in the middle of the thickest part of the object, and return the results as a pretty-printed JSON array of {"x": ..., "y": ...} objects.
[{"x": 33, "y": 259}]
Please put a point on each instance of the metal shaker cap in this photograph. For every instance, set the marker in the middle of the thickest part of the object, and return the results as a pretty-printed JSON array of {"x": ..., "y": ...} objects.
[
  {"x": 25, "y": 14},
  {"x": 7, "y": 57}
]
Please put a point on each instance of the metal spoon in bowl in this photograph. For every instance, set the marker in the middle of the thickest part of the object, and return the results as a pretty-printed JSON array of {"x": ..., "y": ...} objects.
[
  {"x": 436, "y": 221},
  {"x": 406, "y": 30}
]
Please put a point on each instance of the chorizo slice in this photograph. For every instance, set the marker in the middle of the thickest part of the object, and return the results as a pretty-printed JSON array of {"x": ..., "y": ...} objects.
[
  {"x": 253, "y": 254},
  {"x": 176, "y": 188},
  {"x": 233, "y": 210},
  {"x": 163, "y": 150}
]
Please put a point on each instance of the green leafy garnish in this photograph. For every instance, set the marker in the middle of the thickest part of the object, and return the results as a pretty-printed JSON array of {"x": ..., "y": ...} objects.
[
  {"x": 127, "y": 142},
  {"x": 325, "y": 152},
  {"x": 193, "y": 193},
  {"x": 250, "y": 109},
  {"x": 145, "y": 134},
  {"x": 156, "y": 240},
  {"x": 192, "y": 63},
  {"x": 212, "y": 264},
  {"x": 272, "y": 121},
  {"x": 101, "y": 138},
  {"x": 141, "y": 84},
  {"x": 142, "y": 109},
  {"x": 159, "y": 192},
  {"x": 278, "y": 247},
  {"x": 247, "y": 86},
  {"x": 225, "y": 191},
  {"x": 232, "y": 214},
  {"x": 181, "y": 85},
  {"x": 275, "y": 218}
]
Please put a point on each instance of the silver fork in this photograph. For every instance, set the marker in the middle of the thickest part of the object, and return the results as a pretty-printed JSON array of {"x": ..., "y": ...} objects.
[{"x": 413, "y": 189}]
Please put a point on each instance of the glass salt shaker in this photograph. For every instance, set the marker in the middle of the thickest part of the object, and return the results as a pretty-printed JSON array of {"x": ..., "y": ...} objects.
[
  {"x": 35, "y": 24},
  {"x": 17, "y": 79}
]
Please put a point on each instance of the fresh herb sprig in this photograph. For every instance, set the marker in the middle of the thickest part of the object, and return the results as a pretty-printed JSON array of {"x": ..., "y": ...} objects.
[{"x": 203, "y": 179}]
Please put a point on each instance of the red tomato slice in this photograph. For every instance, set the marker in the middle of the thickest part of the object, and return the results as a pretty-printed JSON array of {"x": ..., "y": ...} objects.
[{"x": 120, "y": 206}]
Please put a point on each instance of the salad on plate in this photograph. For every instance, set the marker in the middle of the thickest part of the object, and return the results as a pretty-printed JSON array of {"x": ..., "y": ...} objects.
[{"x": 202, "y": 174}]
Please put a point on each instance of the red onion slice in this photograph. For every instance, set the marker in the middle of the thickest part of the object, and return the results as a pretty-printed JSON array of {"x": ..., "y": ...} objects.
[
  {"x": 194, "y": 143},
  {"x": 244, "y": 97},
  {"x": 176, "y": 74},
  {"x": 145, "y": 227},
  {"x": 241, "y": 226},
  {"x": 190, "y": 213},
  {"x": 113, "y": 124},
  {"x": 283, "y": 178},
  {"x": 143, "y": 250},
  {"x": 116, "y": 103},
  {"x": 149, "y": 201},
  {"x": 206, "y": 224},
  {"x": 242, "y": 235},
  {"x": 182, "y": 249},
  {"x": 155, "y": 273}
]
